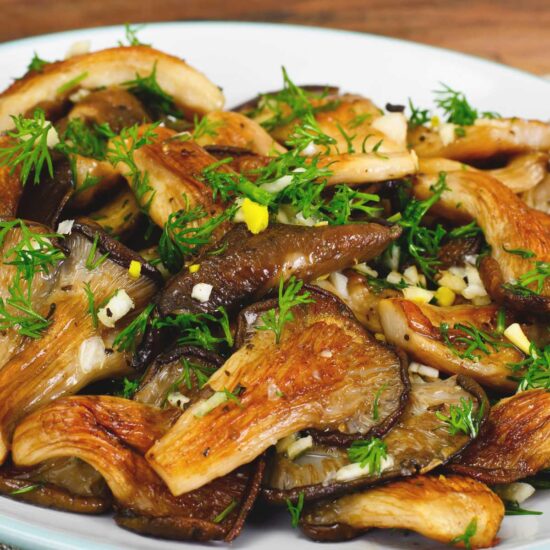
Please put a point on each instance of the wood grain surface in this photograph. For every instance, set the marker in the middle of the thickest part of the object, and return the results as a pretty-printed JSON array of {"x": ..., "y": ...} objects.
[{"x": 509, "y": 31}]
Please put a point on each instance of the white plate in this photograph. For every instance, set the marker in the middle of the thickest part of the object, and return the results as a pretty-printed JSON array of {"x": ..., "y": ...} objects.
[{"x": 244, "y": 59}]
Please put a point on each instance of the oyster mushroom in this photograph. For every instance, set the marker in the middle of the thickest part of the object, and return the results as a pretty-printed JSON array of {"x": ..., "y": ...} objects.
[
  {"x": 74, "y": 350},
  {"x": 191, "y": 91},
  {"x": 324, "y": 374},
  {"x": 417, "y": 329},
  {"x": 539, "y": 197},
  {"x": 226, "y": 128},
  {"x": 120, "y": 216},
  {"x": 514, "y": 442},
  {"x": 111, "y": 434},
  {"x": 418, "y": 443},
  {"x": 508, "y": 224},
  {"x": 485, "y": 139},
  {"x": 438, "y": 507},
  {"x": 173, "y": 167},
  {"x": 63, "y": 484},
  {"x": 253, "y": 264}
]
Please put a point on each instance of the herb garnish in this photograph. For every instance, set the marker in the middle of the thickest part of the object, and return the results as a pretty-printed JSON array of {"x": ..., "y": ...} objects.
[
  {"x": 474, "y": 338},
  {"x": 522, "y": 252},
  {"x": 30, "y": 150},
  {"x": 225, "y": 512},
  {"x": 418, "y": 117},
  {"x": 455, "y": 105},
  {"x": 295, "y": 510},
  {"x": 368, "y": 452},
  {"x": 462, "y": 418},
  {"x": 149, "y": 92},
  {"x": 289, "y": 297},
  {"x": 37, "y": 64},
  {"x": 126, "y": 339},
  {"x": 536, "y": 367},
  {"x": 27, "y": 489},
  {"x": 130, "y": 33},
  {"x": 465, "y": 538},
  {"x": 73, "y": 83},
  {"x": 91, "y": 261},
  {"x": 537, "y": 276},
  {"x": 182, "y": 236},
  {"x": 512, "y": 508},
  {"x": 129, "y": 387}
]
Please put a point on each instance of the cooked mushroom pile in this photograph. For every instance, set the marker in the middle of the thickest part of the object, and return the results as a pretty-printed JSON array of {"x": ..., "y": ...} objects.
[{"x": 307, "y": 302}]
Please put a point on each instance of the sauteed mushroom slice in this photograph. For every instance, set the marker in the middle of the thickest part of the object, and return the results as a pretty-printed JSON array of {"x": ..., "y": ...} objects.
[
  {"x": 441, "y": 337},
  {"x": 251, "y": 265},
  {"x": 76, "y": 347},
  {"x": 514, "y": 442},
  {"x": 115, "y": 106},
  {"x": 173, "y": 167},
  {"x": 509, "y": 225},
  {"x": 484, "y": 139},
  {"x": 323, "y": 374},
  {"x": 111, "y": 434},
  {"x": 176, "y": 377},
  {"x": 15, "y": 237},
  {"x": 419, "y": 442},
  {"x": 63, "y": 484},
  {"x": 120, "y": 216},
  {"x": 226, "y": 128},
  {"x": 442, "y": 508},
  {"x": 190, "y": 90}
]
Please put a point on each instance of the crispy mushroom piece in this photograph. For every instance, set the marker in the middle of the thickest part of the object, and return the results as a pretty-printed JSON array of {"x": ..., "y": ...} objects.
[
  {"x": 508, "y": 224},
  {"x": 176, "y": 372},
  {"x": 514, "y": 443},
  {"x": 73, "y": 351},
  {"x": 416, "y": 328},
  {"x": 226, "y": 128},
  {"x": 191, "y": 91},
  {"x": 418, "y": 443},
  {"x": 112, "y": 434},
  {"x": 485, "y": 139},
  {"x": 438, "y": 507},
  {"x": 63, "y": 484},
  {"x": 251, "y": 265},
  {"x": 323, "y": 374},
  {"x": 174, "y": 167}
]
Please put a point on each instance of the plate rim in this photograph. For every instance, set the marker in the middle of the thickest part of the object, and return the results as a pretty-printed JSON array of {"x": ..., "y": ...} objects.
[
  {"x": 25, "y": 532},
  {"x": 29, "y": 40}
]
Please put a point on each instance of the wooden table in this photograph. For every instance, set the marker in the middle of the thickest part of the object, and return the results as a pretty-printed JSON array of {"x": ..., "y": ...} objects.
[{"x": 512, "y": 32}]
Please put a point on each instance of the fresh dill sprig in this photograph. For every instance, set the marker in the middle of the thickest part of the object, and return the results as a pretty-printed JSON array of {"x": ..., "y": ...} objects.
[
  {"x": 92, "y": 309},
  {"x": 376, "y": 402},
  {"x": 536, "y": 276},
  {"x": 419, "y": 116},
  {"x": 463, "y": 418},
  {"x": 226, "y": 511},
  {"x": 536, "y": 368},
  {"x": 185, "y": 232},
  {"x": 30, "y": 149},
  {"x": 423, "y": 243},
  {"x": 466, "y": 537},
  {"x": 465, "y": 231},
  {"x": 33, "y": 254},
  {"x": 79, "y": 138},
  {"x": 37, "y": 64},
  {"x": 457, "y": 109},
  {"x": 130, "y": 34},
  {"x": 27, "y": 489},
  {"x": 289, "y": 297},
  {"x": 522, "y": 252},
  {"x": 227, "y": 185},
  {"x": 122, "y": 150},
  {"x": 309, "y": 132},
  {"x": 71, "y": 84},
  {"x": 205, "y": 127},
  {"x": 368, "y": 453},
  {"x": 127, "y": 338},
  {"x": 474, "y": 339},
  {"x": 148, "y": 91},
  {"x": 295, "y": 510},
  {"x": 91, "y": 261},
  {"x": 129, "y": 387},
  {"x": 345, "y": 202},
  {"x": 201, "y": 374},
  {"x": 512, "y": 508}
]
